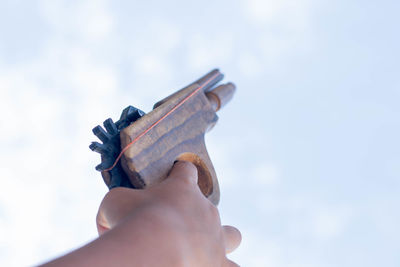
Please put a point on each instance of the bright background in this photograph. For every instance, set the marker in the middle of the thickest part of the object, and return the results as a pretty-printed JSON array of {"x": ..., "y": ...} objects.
[{"x": 307, "y": 153}]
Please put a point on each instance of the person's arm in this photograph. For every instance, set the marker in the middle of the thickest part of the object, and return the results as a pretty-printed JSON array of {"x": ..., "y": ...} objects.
[{"x": 170, "y": 224}]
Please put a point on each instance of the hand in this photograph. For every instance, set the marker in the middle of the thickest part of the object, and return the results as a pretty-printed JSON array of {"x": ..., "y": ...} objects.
[{"x": 169, "y": 224}]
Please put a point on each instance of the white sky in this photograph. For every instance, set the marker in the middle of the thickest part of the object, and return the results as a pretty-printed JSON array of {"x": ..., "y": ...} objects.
[{"x": 307, "y": 153}]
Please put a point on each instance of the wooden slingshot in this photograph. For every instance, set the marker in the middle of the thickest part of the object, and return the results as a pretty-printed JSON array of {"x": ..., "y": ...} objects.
[{"x": 139, "y": 150}]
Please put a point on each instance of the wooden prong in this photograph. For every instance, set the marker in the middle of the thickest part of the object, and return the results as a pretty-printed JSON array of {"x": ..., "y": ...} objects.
[
  {"x": 207, "y": 82},
  {"x": 210, "y": 79},
  {"x": 221, "y": 95}
]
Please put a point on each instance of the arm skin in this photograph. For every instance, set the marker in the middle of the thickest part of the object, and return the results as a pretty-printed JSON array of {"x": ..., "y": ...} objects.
[{"x": 170, "y": 224}]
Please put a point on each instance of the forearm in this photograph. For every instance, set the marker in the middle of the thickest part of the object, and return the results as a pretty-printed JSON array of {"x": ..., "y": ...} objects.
[
  {"x": 169, "y": 224},
  {"x": 137, "y": 241}
]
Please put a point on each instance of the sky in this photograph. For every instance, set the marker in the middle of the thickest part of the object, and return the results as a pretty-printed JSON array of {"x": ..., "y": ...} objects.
[{"x": 307, "y": 152}]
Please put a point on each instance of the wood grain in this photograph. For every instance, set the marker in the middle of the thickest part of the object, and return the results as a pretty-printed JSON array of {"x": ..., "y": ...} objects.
[{"x": 179, "y": 136}]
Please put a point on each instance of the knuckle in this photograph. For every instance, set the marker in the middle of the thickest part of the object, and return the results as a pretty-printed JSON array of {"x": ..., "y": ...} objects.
[
  {"x": 113, "y": 193},
  {"x": 183, "y": 173},
  {"x": 118, "y": 192},
  {"x": 189, "y": 167},
  {"x": 99, "y": 219}
]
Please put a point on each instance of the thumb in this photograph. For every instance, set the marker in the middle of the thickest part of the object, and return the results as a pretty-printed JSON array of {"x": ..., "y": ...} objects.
[
  {"x": 116, "y": 205},
  {"x": 183, "y": 171}
]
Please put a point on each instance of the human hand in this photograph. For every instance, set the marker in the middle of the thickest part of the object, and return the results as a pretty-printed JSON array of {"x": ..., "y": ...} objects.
[{"x": 169, "y": 224}]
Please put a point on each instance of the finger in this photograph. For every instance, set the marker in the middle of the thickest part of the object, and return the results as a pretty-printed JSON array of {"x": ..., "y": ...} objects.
[
  {"x": 183, "y": 171},
  {"x": 116, "y": 205},
  {"x": 102, "y": 225},
  {"x": 229, "y": 263},
  {"x": 232, "y": 238}
]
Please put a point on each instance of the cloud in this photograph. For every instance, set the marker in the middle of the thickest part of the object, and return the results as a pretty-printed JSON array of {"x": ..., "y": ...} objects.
[
  {"x": 266, "y": 174},
  {"x": 277, "y": 30},
  {"x": 258, "y": 251},
  {"x": 205, "y": 52},
  {"x": 249, "y": 65},
  {"x": 291, "y": 15},
  {"x": 89, "y": 19},
  {"x": 329, "y": 224},
  {"x": 89, "y": 67}
]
